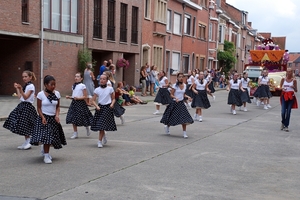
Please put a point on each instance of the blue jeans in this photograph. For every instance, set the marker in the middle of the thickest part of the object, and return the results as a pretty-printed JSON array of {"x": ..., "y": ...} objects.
[{"x": 286, "y": 108}]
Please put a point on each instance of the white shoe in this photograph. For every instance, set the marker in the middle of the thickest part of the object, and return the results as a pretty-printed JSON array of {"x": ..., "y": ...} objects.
[
  {"x": 100, "y": 144},
  {"x": 214, "y": 97},
  {"x": 74, "y": 136},
  {"x": 185, "y": 135},
  {"x": 190, "y": 105},
  {"x": 22, "y": 146},
  {"x": 262, "y": 103},
  {"x": 122, "y": 119},
  {"x": 245, "y": 109},
  {"x": 266, "y": 107},
  {"x": 257, "y": 103},
  {"x": 233, "y": 112},
  {"x": 240, "y": 108},
  {"x": 269, "y": 106},
  {"x": 88, "y": 133},
  {"x": 156, "y": 112},
  {"x": 47, "y": 159},
  {"x": 200, "y": 118},
  {"x": 167, "y": 130},
  {"x": 104, "y": 140},
  {"x": 43, "y": 153},
  {"x": 195, "y": 116},
  {"x": 27, "y": 146}
]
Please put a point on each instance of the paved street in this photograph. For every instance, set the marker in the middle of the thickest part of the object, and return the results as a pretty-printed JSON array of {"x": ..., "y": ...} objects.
[{"x": 245, "y": 156}]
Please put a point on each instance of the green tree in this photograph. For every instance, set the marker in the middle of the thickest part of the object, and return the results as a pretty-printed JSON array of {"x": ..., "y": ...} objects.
[
  {"x": 84, "y": 56},
  {"x": 226, "y": 58}
]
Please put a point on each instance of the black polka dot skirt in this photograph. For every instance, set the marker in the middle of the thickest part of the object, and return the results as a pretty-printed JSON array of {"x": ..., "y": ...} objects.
[
  {"x": 79, "y": 114},
  {"x": 234, "y": 97},
  {"x": 163, "y": 96},
  {"x": 118, "y": 109},
  {"x": 104, "y": 119},
  {"x": 22, "y": 119},
  {"x": 189, "y": 91},
  {"x": 262, "y": 91},
  {"x": 201, "y": 100},
  {"x": 211, "y": 87},
  {"x": 176, "y": 113},
  {"x": 50, "y": 133},
  {"x": 245, "y": 96}
]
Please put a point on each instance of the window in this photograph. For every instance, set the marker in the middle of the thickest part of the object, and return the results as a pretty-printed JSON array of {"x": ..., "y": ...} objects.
[
  {"x": 175, "y": 62},
  {"x": 168, "y": 56},
  {"x": 147, "y": 8},
  {"x": 157, "y": 56},
  {"x": 185, "y": 64},
  {"x": 230, "y": 34},
  {"x": 161, "y": 11},
  {"x": 25, "y": 11},
  {"x": 204, "y": 3},
  {"x": 111, "y": 20},
  {"x": 238, "y": 40},
  {"x": 177, "y": 24},
  {"x": 187, "y": 24},
  {"x": 194, "y": 27},
  {"x": 210, "y": 35},
  {"x": 221, "y": 34},
  {"x": 202, "y": 31},
  {"x": 123, "y": 23},
  {"x": 202, "y": 59},
  {"x": 169, "y": 20},
  {"x": 134, "y": 24},
  {"x": 244, "y": 18},
  {"x": 97, "y": 19},
  {"x": 61, "y": 15}
]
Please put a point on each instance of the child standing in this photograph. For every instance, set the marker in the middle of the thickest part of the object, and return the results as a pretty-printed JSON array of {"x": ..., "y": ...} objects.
[
  {"x": 104, "y": 117},
  {"x": 79, "y": 113},
  {"x": 22, "y": 119},
  {"x": 48, "y": 130},
  {"x": 176, "y": 112}
]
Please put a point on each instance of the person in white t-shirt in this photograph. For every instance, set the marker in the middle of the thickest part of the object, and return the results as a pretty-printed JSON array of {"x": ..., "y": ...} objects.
[
  {"x": 48, "y": 130},
  {"x": 22, "y": 119},
  {"x": 104, "y": 115},
  {"x": 78, "y": 112}
]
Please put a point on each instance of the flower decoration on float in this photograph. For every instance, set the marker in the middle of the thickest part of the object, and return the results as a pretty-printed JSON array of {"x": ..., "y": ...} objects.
[{"x": 122, "y": 63}]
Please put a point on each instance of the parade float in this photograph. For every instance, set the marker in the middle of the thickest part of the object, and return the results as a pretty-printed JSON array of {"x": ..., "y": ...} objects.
[{"x": 267, "y": 56}]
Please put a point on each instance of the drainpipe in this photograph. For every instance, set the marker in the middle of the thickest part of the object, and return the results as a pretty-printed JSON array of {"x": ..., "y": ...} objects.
[{"x": 42, "y": 46}]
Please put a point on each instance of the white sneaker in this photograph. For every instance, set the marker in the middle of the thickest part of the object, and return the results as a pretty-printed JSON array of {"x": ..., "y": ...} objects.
[
  {"x": 262, "y": 103},
  {"x": 156, "y": 112},
  {"x": 88, "y": 133},
  {"x": 43, "y": 153},
  {"x": 122, "y": 119},
  {"x": 200, "y": 118},
  {"x": 27, "y": 146},
  {"x": 190, "y": 105},
  {"x": 266, "y": 107},
  {"x": 47, "y": 159},
  {"x": 245, "y": 109},
  {"x": 257, "y": 103},
  {"x": 269, "y": 106},
  {"x": 100, "y": 144},
  {"x": 22, "y": 146},
  {"x": 214, "y": 97},
  {"x": 185, "y": 135},
  {"x": 104, "y": 140},
  {"x": 195, "y": 116},
  {"x": 233, "y": 112},
  {"x": 167, "y": 130},
  {"x": 240, "y": 108},
  {"x": 74, "y": 136}
]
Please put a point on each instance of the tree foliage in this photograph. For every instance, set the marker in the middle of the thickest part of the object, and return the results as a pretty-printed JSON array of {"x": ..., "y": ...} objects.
[
  {"x": 226, "y": 58},
  {"x": 84, "y": 56}
]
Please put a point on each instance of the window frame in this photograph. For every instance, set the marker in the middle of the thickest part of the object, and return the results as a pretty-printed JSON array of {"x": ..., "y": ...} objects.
[
  {"x": 111, "y": 20},
  {"x": 147, "y": 9},
  {"x": 97, "y": 28},
  {"x": 175, "y": 63},
  {"x": 25, "y": 11},
  {"x": 134, "y": 25},
  {"x": 123, "y": 22},
  {"x": 187, "y": 24},
  {"x": 169, "y": 20},
  {"x": 180, "y": 24}
]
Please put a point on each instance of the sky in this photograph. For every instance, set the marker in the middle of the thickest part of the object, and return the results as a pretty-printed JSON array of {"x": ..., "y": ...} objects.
[{"x": 276, "y": 16}]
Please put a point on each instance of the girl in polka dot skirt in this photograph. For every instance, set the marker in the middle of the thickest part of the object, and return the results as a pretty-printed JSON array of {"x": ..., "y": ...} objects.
[
  {"x": 104, "y": 115},
  {"x": 48, "y": 130},
  {"x": 21, "y": 120},
  {"x": 176, "y": 112},
  {"x": 79, "y": 113}
]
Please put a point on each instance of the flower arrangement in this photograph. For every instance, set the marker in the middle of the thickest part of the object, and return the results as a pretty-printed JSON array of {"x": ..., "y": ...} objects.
[{"x": 123, "y": 63}]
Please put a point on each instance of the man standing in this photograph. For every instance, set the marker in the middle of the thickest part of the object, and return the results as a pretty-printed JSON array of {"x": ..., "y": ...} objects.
[{"x": 102, "y": 68}]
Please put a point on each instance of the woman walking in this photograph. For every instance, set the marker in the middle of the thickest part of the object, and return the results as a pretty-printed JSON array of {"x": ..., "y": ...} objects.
[
  {"x": 21, "y": 120},
  {"x": 234, "y": 98},
  {"x": 288, "y": 99},
  {"x": 48, "y": 130},
  {"x": 176, "y": 112},
  {"x": 163, "y": 94},
  {"x": 200, "y": 100},
  {"x": 79, "y": 113},
  {"x": 262, "y": 93},
  {"x": 88, "y": 81},
  {"x": 245, "y": 95}
]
